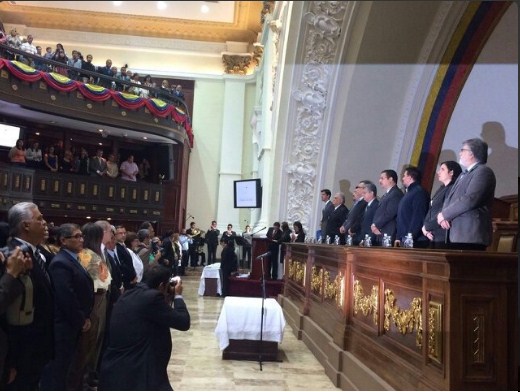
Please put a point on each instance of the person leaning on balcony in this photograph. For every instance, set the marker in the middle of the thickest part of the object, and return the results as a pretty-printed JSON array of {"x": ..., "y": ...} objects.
[
  {"x": 33, "y": 155},
  {"x": 17, "y": 153},
  {"x": 112, "y": 170},
  {"x": 129, "y": 169}
]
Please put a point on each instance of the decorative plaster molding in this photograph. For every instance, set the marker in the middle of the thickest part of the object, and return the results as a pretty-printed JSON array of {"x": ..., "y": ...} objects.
[
  {"x": 237, "y": 63},
  {"x": 311, "y": 94}
]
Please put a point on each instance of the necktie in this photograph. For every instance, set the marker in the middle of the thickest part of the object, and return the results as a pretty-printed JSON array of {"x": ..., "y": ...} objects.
[{"x": 41, "y": 263}]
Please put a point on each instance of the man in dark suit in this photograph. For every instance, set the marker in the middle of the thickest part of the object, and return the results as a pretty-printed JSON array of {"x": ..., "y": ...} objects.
[
  {"x": 31, "y": 345},
  {"x": 412, "y": 208},
  {"x": 352, "y": 224},
  {"x": 370, "y": 198},
  {"x": 140, "y": 340},
  {"x": 274, "y": 235},
  {"x": 74, "y": 290},
  {"x": 325, "y": 212},
  {"x": 16, "y": 264},
  {"x": 337, "y": 217},
  {"x": 466, "y": 212},
  {"x": 386, "y": 214},
  {"x": 126, "y": 263},
  {"x": 212, "y": 241}
]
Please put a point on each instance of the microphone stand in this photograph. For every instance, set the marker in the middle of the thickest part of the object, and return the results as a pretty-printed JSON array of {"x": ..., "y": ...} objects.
[
  {"x": 258, "y": 231},
  {"x": 262, "y": 315}
]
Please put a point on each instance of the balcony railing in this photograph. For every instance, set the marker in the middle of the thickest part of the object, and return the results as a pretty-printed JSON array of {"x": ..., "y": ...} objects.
[{"x": 75, "y": 196}]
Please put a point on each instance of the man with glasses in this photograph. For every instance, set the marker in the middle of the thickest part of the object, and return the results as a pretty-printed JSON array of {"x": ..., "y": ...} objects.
[
  {"x": 466, "y": 211},
  {"x": 352, "y": 224},
  {"x": 31, "y": 346},
  {"x": 75, "y": 298}
]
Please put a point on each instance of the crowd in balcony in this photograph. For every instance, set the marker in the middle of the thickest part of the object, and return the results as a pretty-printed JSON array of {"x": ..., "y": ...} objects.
[
  {"x": 135, "y": 83},
  {"x": 77, "y": 161}
]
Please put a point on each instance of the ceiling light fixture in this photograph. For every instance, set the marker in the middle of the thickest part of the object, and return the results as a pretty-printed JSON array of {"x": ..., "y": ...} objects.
[
  {"x": 204, "y": 9},
  {"x": 117, "y": 3},
  {"x": 161, "y": 5}
]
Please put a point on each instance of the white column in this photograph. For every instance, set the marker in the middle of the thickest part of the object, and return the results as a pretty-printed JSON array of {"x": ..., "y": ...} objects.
[{"x": 231, "y": 150}]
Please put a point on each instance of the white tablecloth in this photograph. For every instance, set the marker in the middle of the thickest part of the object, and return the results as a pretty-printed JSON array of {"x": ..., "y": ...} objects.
[
  {"x": 210, "y": 271},
  {"x": 240, "y": 319}
]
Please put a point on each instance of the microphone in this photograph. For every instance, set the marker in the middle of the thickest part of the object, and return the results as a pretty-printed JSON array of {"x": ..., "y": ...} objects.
[{"x": 263, "y": 255}]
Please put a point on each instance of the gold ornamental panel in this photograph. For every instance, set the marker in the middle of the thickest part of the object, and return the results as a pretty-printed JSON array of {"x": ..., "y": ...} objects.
[
  {"x": 366, "y": 304},
  {"x": 333, "y": 289},
  {"x": 317, "y": 280},
  {"x": 28, "y": 182},
  {"x": 297, "y": 271},
  {"x": 56, "y": 186},
  {"x": 477, "y": 338},
  {"x": 5, "y": 179},
  {"x": 17, "y": 182},
  {"x": 43, "y": 184},
  {"x": 406, "y": 321},
  {"x": 435, "y": 332}
]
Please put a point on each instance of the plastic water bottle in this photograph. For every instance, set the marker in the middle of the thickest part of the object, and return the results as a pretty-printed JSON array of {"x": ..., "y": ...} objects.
[
  {"x": 387, "y": 241},
  {"x": 327, "y": 239},
  {"x": 320, "y": 240},
  {"x": 348, "y": 242},
  {"x": 408, "y": 241},
  {"x": 368, "y": 241},
  {"x": 336, "y": 240}
]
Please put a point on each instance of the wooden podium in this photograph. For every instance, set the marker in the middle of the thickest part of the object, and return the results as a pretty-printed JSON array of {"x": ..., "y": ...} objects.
[{"x": 259, "y": 246}]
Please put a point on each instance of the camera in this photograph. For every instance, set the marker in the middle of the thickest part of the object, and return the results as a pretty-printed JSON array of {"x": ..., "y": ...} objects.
[
  {"x": 8, "y": 251},
  {"x": 174, "y": 280}
]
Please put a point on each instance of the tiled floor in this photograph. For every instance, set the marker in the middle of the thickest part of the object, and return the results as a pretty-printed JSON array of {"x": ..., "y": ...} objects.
[{"x": 197, "y": 364}]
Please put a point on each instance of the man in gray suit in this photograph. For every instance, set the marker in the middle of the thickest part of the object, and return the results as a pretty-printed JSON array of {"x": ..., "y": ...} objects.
[{"x": 466, "y": 211}]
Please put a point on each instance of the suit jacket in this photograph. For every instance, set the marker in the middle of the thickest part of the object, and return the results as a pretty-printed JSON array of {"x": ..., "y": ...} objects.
[
  {"x": 96, "y": 164},
  {"x": 430, "y": 220},
  {"x": 10, "y": 289},
  {"x": 366, "y": 222},
  {"x": 411, "y": 212},
  {"x": 386, "y": 214},
  {"x": 275, "y": 241},
  {"x": 126, "y": 265},
  {"x": 325, "y": 213},
  {"x": 355, "y": 216},
  {"x": 117, "y": 277},
  {"x": 140, "y": 342},
  {"x": 34, "y": 343},
  {"x": 468, "y": 206},
  {"x": 336, "y": 219},
  {"x": 212, "y": 237},
  {"x": 74, "y": 290}
]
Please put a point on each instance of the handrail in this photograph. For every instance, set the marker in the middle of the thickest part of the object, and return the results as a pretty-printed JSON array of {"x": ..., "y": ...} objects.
[{"x": 172, "y": 98}]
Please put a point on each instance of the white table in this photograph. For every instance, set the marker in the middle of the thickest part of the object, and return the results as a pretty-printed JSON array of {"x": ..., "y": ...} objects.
[
  {"x": 211, "y": 271},
  {"x": 240, "y": 320}
]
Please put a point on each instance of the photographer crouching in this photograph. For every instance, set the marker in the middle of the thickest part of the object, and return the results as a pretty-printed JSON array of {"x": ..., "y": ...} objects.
[{"x": 140, "y": 343}]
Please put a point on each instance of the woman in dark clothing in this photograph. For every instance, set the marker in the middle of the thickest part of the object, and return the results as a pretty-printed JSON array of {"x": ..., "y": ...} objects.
[
  {"x": 447, "y": 174},
  {"x": 298, "y": 235}
]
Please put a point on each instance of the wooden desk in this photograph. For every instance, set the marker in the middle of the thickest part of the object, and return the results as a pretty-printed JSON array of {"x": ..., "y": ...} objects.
[{"x": 238, "y": 328}]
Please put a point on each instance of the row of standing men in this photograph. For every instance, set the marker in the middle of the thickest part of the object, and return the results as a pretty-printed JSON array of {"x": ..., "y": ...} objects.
[{"x": 458, "y": 216}]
